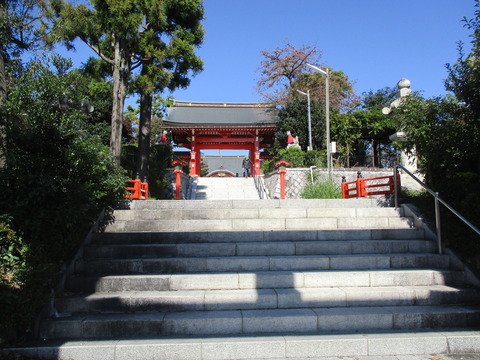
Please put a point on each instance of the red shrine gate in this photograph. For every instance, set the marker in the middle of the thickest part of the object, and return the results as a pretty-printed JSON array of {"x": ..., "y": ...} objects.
[{"x": 224, "y": 126}]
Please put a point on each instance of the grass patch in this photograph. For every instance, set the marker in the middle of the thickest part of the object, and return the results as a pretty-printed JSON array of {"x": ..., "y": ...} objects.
[{"x": 322, "y": 189}]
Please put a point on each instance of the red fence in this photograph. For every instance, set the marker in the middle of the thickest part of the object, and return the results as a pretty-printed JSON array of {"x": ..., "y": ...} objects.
[
  {"x": 139, "y": 190},
  {"x": 373, "y": 186}
]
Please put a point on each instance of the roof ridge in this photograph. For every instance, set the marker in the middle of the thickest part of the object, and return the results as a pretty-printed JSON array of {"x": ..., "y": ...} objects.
[{"x": 179, "y": 103}]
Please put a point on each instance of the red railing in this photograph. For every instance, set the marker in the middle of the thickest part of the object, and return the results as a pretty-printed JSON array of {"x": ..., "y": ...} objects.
[
  {"x": 372, "y": 186},
  {"x": 139, "y": 190}
]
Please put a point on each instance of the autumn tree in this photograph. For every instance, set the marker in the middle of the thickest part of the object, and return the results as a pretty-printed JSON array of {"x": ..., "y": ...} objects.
[
  {"x": 281, "y": 67},
  {"x": 284, "y": 70}
]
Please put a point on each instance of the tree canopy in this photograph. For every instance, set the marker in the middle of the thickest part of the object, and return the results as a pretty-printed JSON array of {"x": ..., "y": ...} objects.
[
  {"x": 19, "y": 31},
  {"x": 355, "y": 121},
  {"x": 281, "y": 67},
  {"x": 159, "y": 37}
]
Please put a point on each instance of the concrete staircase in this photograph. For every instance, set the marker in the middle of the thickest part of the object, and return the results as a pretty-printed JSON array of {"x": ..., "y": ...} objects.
[
  {"x": 223, "y": 188},
  {"x": 253, "y": 279}
]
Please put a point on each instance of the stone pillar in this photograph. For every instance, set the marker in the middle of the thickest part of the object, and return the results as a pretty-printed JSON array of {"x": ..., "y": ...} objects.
[{"x": 408, "y": 160}]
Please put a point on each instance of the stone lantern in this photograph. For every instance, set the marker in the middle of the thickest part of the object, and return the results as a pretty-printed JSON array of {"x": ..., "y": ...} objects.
[{"x": 408, "y": 160}]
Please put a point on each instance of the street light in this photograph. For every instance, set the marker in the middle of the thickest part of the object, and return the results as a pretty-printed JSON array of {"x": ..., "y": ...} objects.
[
  {"x": 309, "y": 119},
  {"x": 327, "y": 110}
]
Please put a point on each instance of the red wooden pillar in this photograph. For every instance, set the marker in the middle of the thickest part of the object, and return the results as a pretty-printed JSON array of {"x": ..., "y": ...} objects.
[
  {"x": 282, "y": 170},
  {"x": 193, "y": 166},
  {"x": 256, "y": 154},
  {"x": 198, "y": 164},
  {"x": 177, "y": 170},
  {"x": 360, "y": 185}
]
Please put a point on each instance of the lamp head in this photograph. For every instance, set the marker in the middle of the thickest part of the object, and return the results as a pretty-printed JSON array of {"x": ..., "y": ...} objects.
[{"x": 318, "y": 69}]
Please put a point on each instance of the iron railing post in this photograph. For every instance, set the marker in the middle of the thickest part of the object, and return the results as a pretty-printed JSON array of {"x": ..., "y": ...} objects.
[
  {"x": 395, "y": 184},
  {"x": 438, "y": 200},
  {"x": 437, "y": 224}
]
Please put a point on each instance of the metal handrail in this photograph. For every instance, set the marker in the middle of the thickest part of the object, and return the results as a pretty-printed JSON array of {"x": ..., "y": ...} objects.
[
  {"x": 192, "y": 188},
  {"x": 438, "y": 200},
  {"x": 259, "y": 184}
]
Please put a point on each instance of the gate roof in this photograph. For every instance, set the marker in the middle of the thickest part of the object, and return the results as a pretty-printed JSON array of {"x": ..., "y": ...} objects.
[
  {"x": 222, "y": 125},
  {"x": 198, "y": 114}
]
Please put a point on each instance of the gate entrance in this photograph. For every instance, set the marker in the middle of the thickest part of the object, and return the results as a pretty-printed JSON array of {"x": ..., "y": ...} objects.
[{"x": 225, "y": 126}]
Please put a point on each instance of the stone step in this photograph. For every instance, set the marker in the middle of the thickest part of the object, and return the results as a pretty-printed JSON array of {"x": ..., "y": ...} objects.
[
  {"x": 262, "y": 213},
  {"x": 280, "y": 298},
  {"x": 172, "y": 237},
  {"x": 284, "y": 248},
  {"x": 320, "y": 223},
  {"x": 237, "y": 195},
  {"x": 261, "y": 263},
  {"x": 255, "y": 204},
  {"x": 223, "y": 322},
  {"x": 384, "y": 345},
  {"x": 265, "y": 280}
]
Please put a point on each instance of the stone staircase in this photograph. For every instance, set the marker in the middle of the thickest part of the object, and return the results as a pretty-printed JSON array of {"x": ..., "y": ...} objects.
[
  {"x": 262, "y": 279},
  {"x": 226, "y": 188}
]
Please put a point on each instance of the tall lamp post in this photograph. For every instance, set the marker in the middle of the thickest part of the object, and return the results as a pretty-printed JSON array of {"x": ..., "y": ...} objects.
[
  {"x": 310, "y": 147},
  {"x": 327, "y": 111}
]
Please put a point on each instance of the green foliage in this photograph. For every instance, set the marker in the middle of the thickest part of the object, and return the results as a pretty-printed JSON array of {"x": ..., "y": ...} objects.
[
  {"x": 324, "y": 189},
  {"x": 444, "y": 133},
  {"x": 445, "y": 144},
  {"x": 316, "y": 158},
  {"x": 296, "y": 157},
  {"x": 56, "y": 177},
  {"x": 12, "y": 248},
  {"x": 341, "y": 94},
  {"x": 157, "y": 37},
  {"x": 379, "y": 98},
  {"x": 268, "y": 166},
  {"x": 353, "y": 131},
  {"x": 293, "y": 117}
]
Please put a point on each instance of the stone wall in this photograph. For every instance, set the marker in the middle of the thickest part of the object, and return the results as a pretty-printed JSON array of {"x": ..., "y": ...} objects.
[
  {"x": 170, "y": 192},
  {"x": 297, "y": 178}
]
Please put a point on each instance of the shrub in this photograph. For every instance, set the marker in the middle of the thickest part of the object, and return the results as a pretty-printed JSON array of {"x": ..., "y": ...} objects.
[
  {"x": 56, "y": 176},
  {"x": 295, "y": 156},
  {"x": 316, "y": 158},
  {"x": 324, "y": 189}
]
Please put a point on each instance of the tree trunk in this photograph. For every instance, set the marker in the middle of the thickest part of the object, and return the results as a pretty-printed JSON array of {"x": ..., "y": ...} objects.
[
  {"x": 145, "y": 128},
  {"x": 3, "y": 96},
  {"x": 120, "y": 78},
  {"x": 3, "y": 79},
  {"x": 348, "y": 155},
  {"x": 374, "y": 152}
]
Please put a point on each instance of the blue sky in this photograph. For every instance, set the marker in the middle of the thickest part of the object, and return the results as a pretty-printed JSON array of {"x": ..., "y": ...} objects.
[{"x": 375, "y": 42}]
